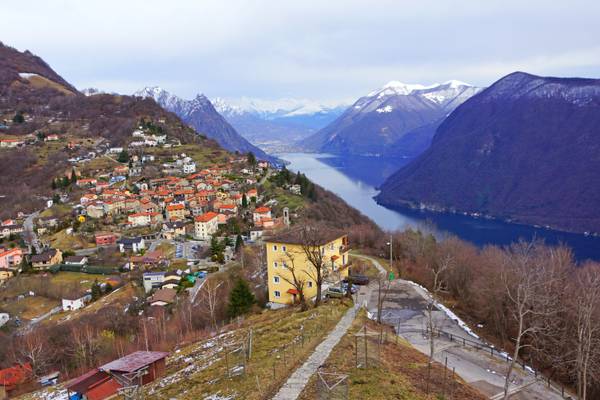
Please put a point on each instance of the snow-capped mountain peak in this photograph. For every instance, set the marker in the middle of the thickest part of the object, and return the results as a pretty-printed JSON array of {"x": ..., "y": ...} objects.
[{"x": 396, "y": 88}]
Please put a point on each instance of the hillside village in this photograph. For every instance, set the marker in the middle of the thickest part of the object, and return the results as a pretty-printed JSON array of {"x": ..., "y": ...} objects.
[{"x": 139, "y": 259}]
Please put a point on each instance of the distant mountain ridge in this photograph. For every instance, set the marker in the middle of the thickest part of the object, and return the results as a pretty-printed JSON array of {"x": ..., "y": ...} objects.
[
  {"x": 275, "y": 125},
  {"x": 525, "y": 149},
  {"x": 396, "y": 120},
  {"x": 202, "y": 116}
]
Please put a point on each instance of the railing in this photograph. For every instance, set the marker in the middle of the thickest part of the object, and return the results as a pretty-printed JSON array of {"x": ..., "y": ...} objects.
[{"x": 494, "y": 352}]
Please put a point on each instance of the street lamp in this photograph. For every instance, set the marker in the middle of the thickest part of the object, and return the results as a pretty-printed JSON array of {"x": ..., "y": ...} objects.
[{"x": 390, "y": 243}]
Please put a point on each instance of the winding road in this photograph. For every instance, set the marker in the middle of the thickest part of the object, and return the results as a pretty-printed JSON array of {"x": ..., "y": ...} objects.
[{"x": 405, "y": 309}]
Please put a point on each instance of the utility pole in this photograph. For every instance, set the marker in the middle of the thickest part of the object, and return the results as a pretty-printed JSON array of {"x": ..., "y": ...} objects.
[{"x": 391, "y": 247}]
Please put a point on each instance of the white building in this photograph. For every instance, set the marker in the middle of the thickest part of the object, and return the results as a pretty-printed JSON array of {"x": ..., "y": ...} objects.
[
  {"x": 153, "y": 280},
  {"x": 206, "y": 225},
  {"x": 189, "y": 168},
  {"x": 75, "y": 303}
]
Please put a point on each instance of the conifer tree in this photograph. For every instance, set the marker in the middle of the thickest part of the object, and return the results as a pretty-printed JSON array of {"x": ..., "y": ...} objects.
[{"x": 241, "y": 299}]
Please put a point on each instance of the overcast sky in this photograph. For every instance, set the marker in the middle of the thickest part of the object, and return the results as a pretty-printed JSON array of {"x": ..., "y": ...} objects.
[{"x": 326, "y": 49}]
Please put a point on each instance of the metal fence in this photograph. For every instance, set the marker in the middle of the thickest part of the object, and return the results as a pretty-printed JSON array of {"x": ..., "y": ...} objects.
[
  {"x": 332, "y": 386},
  {"x": 367, "y": 347},
  {"x": 496, "y": 353}
]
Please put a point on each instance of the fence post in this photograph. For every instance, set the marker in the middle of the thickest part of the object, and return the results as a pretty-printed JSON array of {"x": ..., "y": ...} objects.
[
  {"x": 227, "y": 362},
  {"x": 356, "y": 351},
  {"x": 444, "y": 384},
  {"x": 366, "y": 354}
]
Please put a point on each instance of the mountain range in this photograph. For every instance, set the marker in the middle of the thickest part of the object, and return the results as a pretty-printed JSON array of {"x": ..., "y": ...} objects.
[
  {"x": 200, "y": 114},
  {"x": 525, "y": 149},
  {"x": 397, "y": 120},
  {"x": 274, "y": 125}
]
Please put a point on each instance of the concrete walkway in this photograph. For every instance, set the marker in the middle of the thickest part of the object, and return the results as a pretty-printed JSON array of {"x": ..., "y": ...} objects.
[{"x": 298, "y": 380}]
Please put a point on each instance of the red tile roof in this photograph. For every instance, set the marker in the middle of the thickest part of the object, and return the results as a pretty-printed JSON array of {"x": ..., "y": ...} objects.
[
  {"x": 206, "y": 217},
  {"x": 16, "y": 375}
]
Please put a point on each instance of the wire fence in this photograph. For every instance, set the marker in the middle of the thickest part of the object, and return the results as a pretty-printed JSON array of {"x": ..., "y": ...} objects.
[
  {"x": 332, "y": 386},
  {"x": 268, "y": 371},
  {"x": 367, "y": 347},
  {"x": 494, "y": 353}
]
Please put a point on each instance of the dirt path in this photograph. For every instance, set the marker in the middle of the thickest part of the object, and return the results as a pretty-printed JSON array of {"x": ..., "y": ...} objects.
[{"x": 298, "y": 380}]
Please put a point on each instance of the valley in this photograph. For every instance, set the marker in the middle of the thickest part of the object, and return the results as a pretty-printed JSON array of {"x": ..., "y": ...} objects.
[{"x": 238, "y": 206}]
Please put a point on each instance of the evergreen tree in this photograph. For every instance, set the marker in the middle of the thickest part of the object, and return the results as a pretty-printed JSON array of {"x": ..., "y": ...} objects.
[
  {"x": 65, "y": 181},
  {"x": 19, "y": 118},
  {"x": 73, "y": 176},
  {"x": 239, "y": 242},
  {"x": 241, "y": 299},
  {"x": 251, "y": 159},
  {"x": 96, "y": 291},
  {"x": 25, "y": 265},
  {"x": 53, "y": 184},
  {"x": 244, "y": 201},
  {"x": 123, "y": 157}
]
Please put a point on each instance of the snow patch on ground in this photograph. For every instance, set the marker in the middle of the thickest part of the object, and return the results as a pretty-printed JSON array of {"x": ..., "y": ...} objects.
[
  {"x": 27, "y": 75},
  {"x": 386, "y": 109}
]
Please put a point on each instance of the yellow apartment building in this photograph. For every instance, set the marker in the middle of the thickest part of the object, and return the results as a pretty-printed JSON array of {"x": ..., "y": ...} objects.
[{"x": 287, "y": 250}]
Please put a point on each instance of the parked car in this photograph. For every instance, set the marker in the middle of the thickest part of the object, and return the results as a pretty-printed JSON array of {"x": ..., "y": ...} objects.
[
  {"x": 353, "y": 289},
  {"x": 334, "y": 292},
  {"x": 358, "y": 279}
]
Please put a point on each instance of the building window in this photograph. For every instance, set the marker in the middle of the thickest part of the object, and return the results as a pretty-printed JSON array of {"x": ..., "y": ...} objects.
[
  {"x": 275, "y": 264},
  {"x": 277, "y": 293},
  {"x": 283, "y": 248},
  {"x": 309, "y": 284},
  {"x": 284, "y": 264},
  {"x": 275, "y": 279},
  {"x": 274, "y": 247}
]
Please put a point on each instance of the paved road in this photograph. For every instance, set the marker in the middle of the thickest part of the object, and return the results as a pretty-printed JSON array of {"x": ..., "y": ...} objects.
[
  {"x": 28, "y": 226},
  {"x": 405, "y": 309},
  {"x": 298, "y": 380}
]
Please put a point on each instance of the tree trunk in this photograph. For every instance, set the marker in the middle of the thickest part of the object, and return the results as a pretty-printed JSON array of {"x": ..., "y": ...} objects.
[{"x": 511, "y": 366}]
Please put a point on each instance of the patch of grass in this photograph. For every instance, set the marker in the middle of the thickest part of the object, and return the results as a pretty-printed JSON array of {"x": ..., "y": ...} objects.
[
  {"x": 199, "y": 370},
  {"x": 56, "y": 211},
  {"x": 400, "y": 373},
  {"x": 40, "y": 82},
  {"x": 69, "y": 242},
  {"x": 167, "y": 249},
  {"x": 30, "y": 307}
]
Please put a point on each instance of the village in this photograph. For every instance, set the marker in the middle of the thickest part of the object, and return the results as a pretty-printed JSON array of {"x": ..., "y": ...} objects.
[{"x": 146, "y": 214}]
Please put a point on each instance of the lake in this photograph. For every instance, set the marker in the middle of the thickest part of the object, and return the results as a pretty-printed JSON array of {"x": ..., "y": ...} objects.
[{"x": 355, "y": 179}]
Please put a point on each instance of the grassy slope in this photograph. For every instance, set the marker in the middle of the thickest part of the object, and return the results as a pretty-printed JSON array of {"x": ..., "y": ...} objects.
[
  {"x": 198, "y": 370},
  {"x": 401, "y": 373}
]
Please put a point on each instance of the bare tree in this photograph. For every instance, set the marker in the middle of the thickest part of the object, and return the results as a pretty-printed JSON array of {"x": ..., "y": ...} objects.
[
  {"x": 297, "y": 280},
  {"x": 34, "y": 348},
  {"x": 525, "y": 276},
  {"x": 314, "y": 251},
  {"x": 586, "y": 310},
  {"x": 438, "y": 270},
  {"x": 383, "y": 288},
  {"x": 210, "y": 297}
]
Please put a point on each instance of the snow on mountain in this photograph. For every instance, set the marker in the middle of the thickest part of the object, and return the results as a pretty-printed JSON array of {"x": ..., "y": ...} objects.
[
  {"x": 200, "y": 113},
  {"x": 277, "y": 108},
  {"x": 396, "y": 119}
]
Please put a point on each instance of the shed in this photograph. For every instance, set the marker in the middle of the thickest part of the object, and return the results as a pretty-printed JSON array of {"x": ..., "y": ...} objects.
[{"x": 150, "y": 365}]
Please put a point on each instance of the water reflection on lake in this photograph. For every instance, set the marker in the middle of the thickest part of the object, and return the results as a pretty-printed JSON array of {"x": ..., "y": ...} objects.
[{"x": 355, "y": 179}]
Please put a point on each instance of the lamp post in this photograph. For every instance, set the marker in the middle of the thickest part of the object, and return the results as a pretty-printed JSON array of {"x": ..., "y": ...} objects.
[{"x": 390, "y": 243}]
